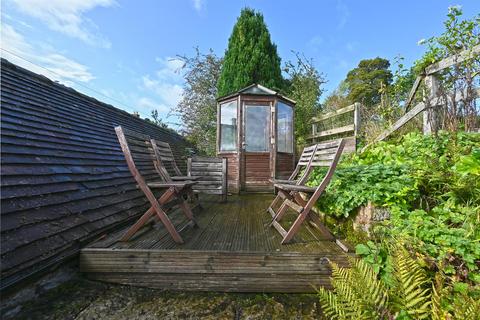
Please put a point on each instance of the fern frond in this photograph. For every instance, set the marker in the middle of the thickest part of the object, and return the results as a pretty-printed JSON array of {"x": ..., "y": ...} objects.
[
  {"x": 370, "y": 291},
  {"x": 437, "y": 292},
  {"x": 330, "y": 306},
  {"x": 467, "y": 309},
  {"x": 357, "y": 293},
  {"x": 410, "y": 291}
]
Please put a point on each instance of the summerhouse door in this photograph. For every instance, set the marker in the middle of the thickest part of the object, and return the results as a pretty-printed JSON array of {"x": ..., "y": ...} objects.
[{"x": 256, "y": 147}]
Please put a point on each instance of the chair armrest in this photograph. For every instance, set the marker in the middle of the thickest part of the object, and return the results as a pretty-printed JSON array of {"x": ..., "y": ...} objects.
[
  {"x": 184, "y": 178},
  {"x": 290, "y": 187},
  {"x": 164, "y": 185}
]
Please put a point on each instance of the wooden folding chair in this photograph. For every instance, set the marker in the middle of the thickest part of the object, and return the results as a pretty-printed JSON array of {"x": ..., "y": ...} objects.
[
  {"x": 327, "y": 154},
  {"x": 164, "y": 157},
  {"x": 143, "y": 165},
  {"x": 299, "y": 175},
  {"x": 169, "y": 170}
]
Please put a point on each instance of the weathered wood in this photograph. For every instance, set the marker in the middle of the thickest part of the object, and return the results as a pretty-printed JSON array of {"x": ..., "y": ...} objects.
[
  {"x": 334, "y": 113},
  {"x": 293, "y": 200},
  {"x": 175, "y": 189},
  {"x": 144, "y": 187},
  {"x": 353, "y": 127},
  {"x": 299, "y": 188},
  {"x": 229, "y": 251},
  {"x": 430, "y": 115},
  {"x": 413, "y": 91},
  {"x": 357, "y": 119},
  {"x": 202, "y": 169},
  {"x": 347, "y": 128},
  {"x": 452, "y": 60},
  {"x": 399, "y": 123}
]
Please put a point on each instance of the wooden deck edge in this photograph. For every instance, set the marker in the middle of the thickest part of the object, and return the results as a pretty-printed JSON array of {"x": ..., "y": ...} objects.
[
  {"x": 246, "y": 283},
  {"x": 225, "y": 271},
  {"x": 193, "y": 251}
]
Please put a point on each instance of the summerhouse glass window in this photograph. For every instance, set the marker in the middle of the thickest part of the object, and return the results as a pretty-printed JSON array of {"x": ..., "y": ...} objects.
[
  {"x": 228, "y": 126},
  {"x": 257, "y": 128},
  {"x": 284, "y": 128}
]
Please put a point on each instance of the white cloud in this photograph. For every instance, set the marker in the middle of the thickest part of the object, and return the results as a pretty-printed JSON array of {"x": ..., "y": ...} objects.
[
  {"x": 64, "y": 69},
  {"x": 166, "y": 83},
  {"x": 147, "y": 105},
  {"x": 67, "y": 17},
  {"x": 198, "y": 5}
]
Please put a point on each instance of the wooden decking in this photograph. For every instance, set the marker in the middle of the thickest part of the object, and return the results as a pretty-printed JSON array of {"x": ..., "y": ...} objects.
[{"x": 232, "y": 250}]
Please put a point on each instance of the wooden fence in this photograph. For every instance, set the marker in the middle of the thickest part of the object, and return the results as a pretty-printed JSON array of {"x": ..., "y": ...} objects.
[
  {"x": 341, "y": 123},
  {"x": 433, "y": 99}
]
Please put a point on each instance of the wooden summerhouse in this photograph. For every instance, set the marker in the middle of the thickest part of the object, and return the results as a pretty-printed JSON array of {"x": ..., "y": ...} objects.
[{"x": 255, "y": 132}]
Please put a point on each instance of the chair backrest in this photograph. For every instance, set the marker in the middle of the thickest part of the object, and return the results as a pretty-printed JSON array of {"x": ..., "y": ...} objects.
[
  {"x": 303, "y": 162},
  {"x": 164, "y": 154},
  {"x": 326, "y": 155},
  {"x": 164, "y": 158},
  {"x": 138, "y": 152}
]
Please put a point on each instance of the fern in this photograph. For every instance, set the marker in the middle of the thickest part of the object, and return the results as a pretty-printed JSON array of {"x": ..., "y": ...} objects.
[
  {"x": 411, "y": 292},
  {"x": 467, "y": 309},
  {"x": 438, "y": 313},
  {"x": 357, "y": 293}
]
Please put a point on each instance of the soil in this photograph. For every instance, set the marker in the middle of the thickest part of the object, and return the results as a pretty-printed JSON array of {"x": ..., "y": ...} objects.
[{"x": 83, "y": 299}]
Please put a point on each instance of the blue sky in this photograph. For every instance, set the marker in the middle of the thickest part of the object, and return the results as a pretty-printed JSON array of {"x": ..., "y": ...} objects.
[{"x": 125, "y": 49}]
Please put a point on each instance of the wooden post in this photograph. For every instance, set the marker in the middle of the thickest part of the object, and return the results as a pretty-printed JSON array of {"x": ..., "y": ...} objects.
[
  {"x": 430, "y": 115},
  {"x": 273, "y": 139},
  {"x": 224, "y": 179},
  {"x": 356, "y": 121}
]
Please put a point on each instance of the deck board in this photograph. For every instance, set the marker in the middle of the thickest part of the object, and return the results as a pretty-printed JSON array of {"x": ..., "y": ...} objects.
[{"x": 232, "y": 249}]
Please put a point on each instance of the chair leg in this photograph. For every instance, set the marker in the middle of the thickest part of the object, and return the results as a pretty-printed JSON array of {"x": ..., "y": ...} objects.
[
  {"x": 162, "y": 215},
  {"x": 146, "y": 216},
  {"x": 281, "y": 212},
  {"x": 187, "y": 211},
  {"x": 138, "y": 225},
  {"x": 295, "y": 226},
  {"x": 274, "y": 203}
]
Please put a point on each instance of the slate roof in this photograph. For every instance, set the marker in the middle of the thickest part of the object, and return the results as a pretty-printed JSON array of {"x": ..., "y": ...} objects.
[{"x": 64, "y": 180}]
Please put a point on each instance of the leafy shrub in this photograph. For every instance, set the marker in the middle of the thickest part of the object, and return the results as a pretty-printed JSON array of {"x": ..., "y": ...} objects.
[{"x": 431, "y": 185}]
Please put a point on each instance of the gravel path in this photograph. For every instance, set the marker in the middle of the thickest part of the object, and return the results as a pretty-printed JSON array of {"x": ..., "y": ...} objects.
[{"x": 82, "y": 299}]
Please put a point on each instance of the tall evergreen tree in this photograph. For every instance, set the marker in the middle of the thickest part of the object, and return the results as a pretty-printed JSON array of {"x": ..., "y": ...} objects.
[{"x": 251, "y": 56}]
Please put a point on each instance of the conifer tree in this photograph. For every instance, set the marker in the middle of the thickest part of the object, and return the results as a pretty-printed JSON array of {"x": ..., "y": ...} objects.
[{"x": 251, "y": 56}]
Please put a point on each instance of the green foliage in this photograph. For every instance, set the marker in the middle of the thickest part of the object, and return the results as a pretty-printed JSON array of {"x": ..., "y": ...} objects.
[
  {"x": 198, "y": 107},
  {"x": 431, "y": 186},
  {"x": 358, "y": 293},
  {"x": 355, "y": 185},
  {"x": 412, "y": 292},
  {"x": 365, "y": 81},
  {"x": 444, "y": 234},
  {"x": 251, "y": 56},
  {"x": 453, "y": 302},
  {"x": 377, "y": 256},
  {"x": 305, "y": 87},
  {"x": 157, "y": 120},
  {"x": 459, "y": 35}
]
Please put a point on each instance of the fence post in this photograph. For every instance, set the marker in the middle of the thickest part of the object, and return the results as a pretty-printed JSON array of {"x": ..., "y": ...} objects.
[
  {"x": 357, "y": 118},
  {"x": 430, "y": 115}
]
